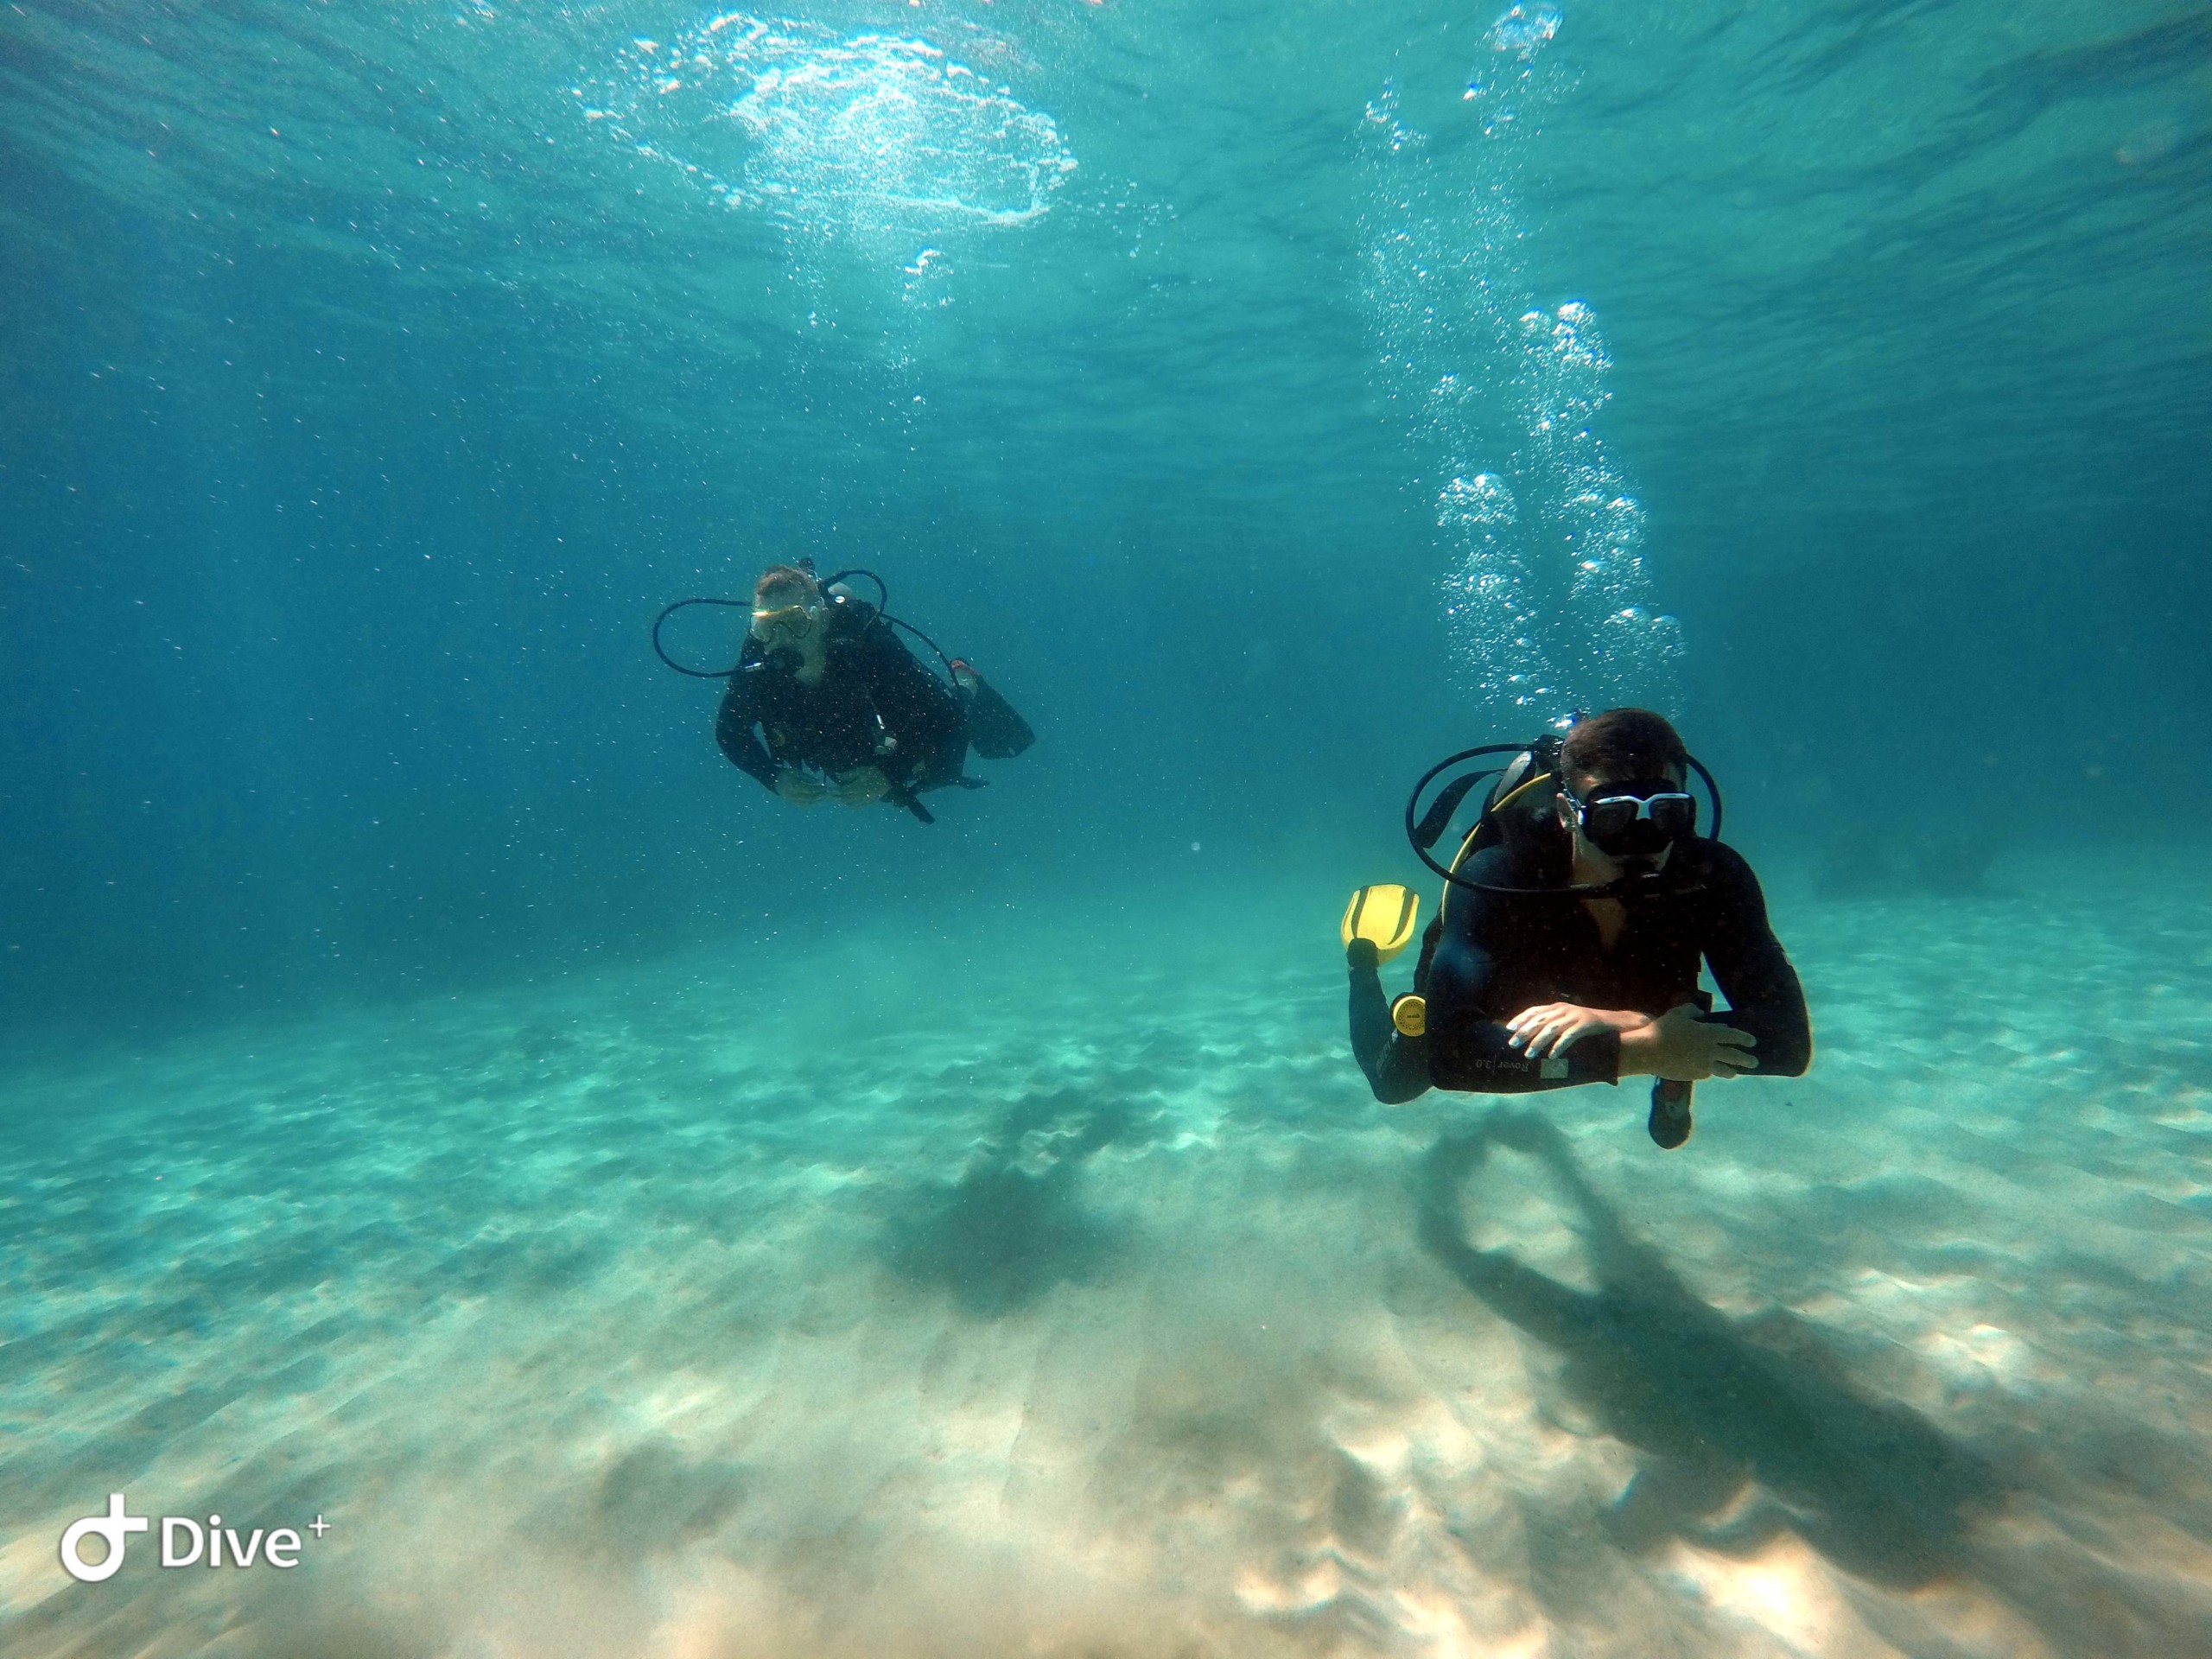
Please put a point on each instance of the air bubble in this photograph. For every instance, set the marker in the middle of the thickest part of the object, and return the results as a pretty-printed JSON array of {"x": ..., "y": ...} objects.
[
  {"x": 1525, "y": 30},
  {"x": 1548, "y": 592},
  {"x": 867, "y": 137}
]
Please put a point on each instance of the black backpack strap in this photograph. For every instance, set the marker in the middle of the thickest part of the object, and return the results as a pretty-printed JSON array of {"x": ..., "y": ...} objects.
[{"x": 1447, "y": 802}]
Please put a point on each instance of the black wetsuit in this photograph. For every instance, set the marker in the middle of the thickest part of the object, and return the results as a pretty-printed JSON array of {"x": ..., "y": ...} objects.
[
  {"x": 1498, "y": 954},
  {"x": 874, "y": 706}
]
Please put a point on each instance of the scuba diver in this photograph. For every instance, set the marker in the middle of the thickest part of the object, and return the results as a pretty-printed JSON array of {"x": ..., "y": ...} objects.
[
  {"x": 826, "y": 700},
  {"x": 1566, "y": 947}
]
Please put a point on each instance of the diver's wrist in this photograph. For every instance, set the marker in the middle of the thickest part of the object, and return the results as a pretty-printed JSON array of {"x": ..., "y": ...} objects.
[{"x": 1635, "y": 1052}]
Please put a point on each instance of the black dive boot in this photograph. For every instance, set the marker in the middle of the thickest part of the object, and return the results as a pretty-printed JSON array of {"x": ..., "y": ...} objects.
[{"x": 1670, "y": 1112}]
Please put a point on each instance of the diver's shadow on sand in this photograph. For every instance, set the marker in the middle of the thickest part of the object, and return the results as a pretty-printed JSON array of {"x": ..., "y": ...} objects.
[
  {"x": 1745, "y": 1429},
  {"x": 1013, "y": 1225}
]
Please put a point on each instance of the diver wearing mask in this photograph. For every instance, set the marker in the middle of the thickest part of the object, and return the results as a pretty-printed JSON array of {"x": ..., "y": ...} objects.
[
  {"x": 826, "y": 700},
  {"x": 1568, "y": 949}
]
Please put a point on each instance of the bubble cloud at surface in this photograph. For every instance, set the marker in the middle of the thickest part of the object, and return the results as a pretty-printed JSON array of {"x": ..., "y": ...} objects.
[
  {"x": 1525, "y": 30},
  {"x": 867, "y": 137}
]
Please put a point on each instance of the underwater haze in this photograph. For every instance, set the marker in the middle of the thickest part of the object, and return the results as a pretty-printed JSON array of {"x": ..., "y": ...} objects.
[{"x": 441, "y": 1099}]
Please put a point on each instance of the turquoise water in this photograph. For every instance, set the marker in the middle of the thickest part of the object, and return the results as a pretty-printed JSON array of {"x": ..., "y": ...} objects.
[{"x": 441, "y": 1096}]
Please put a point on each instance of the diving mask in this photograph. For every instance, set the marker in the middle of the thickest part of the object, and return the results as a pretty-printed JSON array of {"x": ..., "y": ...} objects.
[
  {"x": 785, "y": 625},
  {"x": 1635, "y": 820}
]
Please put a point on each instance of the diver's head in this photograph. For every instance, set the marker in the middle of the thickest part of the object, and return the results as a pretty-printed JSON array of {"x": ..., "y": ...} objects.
[
  {"x": 789, "y": 611},
  {"x": 1623, "y": 793}
]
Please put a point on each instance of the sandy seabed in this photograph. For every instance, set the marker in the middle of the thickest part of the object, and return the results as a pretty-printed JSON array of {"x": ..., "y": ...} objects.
[{"x": 1049, "y": 1285}]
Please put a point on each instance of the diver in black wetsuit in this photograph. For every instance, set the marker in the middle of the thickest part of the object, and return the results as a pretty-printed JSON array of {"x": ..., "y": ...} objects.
[
  {"x": 1547, "y": 988},
  {"x": 827, "y": 701}
]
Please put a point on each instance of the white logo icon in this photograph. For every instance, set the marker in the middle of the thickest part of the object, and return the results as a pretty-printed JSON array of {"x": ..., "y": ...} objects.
[
  {"x": 115, "y": 1526},
  {"x": 278, "y": 1549}
]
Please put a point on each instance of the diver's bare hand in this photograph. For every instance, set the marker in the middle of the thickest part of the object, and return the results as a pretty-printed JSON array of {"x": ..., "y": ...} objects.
[
  {"x": 798, "y": 788},
  {"x": 862, "y": 785},
  {"x": 1552, "y": 1028},
  {"x": 1684, "y": 1046}
]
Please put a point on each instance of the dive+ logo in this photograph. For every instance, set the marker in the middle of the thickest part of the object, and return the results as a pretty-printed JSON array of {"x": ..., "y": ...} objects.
[{"x": 279, "y": 1548}]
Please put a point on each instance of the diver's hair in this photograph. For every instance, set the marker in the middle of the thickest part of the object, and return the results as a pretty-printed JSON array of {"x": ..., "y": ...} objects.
[
  {"x": 784, "y": 579},
  {"x": 1622, "y": 741}
]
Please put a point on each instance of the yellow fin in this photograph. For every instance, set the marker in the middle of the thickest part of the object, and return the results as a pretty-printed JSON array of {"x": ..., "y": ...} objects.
[{"x": 1384, "y": 915}]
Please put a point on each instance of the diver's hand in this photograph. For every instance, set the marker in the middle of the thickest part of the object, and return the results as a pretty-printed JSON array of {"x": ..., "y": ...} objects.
[
  {"x": 1683, "y": 1045},
  {"x": 1552, "y": 1028},
  {"x": 859, "y": 787},
  {"x": 798, "y": 788}
]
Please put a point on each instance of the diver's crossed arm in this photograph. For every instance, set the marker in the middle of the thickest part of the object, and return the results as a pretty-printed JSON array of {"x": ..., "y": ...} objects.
[
  {"x": 1751, "y": 969},
  {"x": 1478, "y": 1044},
  {"x": 1470, "y": 1049}
]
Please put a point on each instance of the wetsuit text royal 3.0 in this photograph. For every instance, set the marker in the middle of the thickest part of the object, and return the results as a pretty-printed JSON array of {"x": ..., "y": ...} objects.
[
  {"x": 874, "y": 706},
  {"x": 1496, "y": 954}
]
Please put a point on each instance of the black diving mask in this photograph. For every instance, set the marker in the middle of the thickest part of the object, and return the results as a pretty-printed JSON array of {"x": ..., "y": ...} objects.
[{"x": 1635, "y": 820}]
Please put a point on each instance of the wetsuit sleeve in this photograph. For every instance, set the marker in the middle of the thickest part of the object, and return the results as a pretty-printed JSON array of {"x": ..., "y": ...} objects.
[
  {"x": 1748, "y": 965},
  {"x": 1395, "y": 1065},
  {"x": 920, "y": 710},
  {"x": 733, "y": 732},
  {"x": 1469, "y": 981}
]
